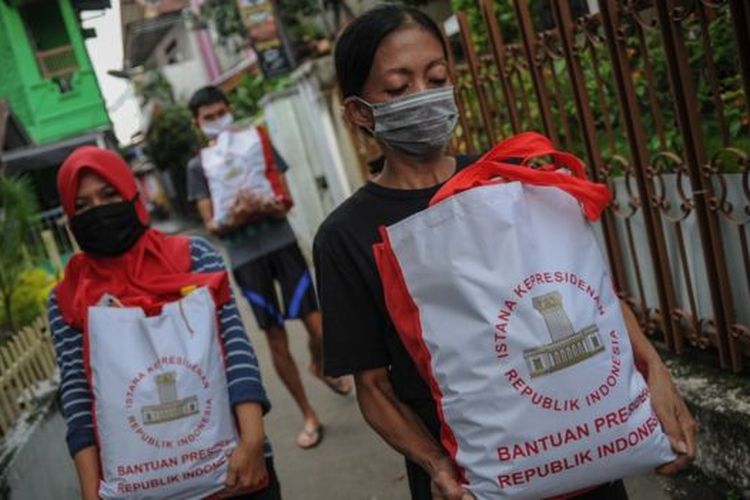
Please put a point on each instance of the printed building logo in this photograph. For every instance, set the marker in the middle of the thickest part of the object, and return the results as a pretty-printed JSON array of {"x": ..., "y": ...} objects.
[
  {"x": 568, "y": 347},
  {"x": 233, "y": 169},
  {"x": 169, "y": 407}
]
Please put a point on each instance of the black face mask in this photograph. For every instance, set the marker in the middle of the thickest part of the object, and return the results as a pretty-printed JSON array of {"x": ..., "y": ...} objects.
[{"x": 108, "y": 230}]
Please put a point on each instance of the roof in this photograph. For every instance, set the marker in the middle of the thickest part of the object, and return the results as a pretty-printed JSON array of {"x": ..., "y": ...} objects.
[
  {"x": 80, "y": 5},
  {"x": 231, "y": 78},
  {"x": 141, "y": 37},
  {"x": 34, "y": 157}
]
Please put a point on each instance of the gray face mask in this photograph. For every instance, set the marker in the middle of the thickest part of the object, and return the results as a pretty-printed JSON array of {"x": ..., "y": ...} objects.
[{"x": 418, "y": 125}]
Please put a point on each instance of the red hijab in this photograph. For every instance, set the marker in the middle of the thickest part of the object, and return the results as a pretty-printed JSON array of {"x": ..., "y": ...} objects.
[{"x": 153, "y": 272}]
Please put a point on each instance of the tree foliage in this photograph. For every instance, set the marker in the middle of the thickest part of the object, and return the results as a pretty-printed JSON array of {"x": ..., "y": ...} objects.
[
  {"x": 17, "y": 210},
  {"x": 170, "y": 142},
  {"x": 225, "y": 18},
  {"x": 649, "y": 74},
  {"x": 29, "y": 297},
  {"x": 245, "y": 97},
  {"x": 293, "y": 13},
  {"x": 171, "y": 139}
]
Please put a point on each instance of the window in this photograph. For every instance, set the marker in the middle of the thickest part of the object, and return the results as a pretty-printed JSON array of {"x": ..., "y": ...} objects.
[
  {"x": 171, "y": 53},
  {"x": 49, "y": 39}
]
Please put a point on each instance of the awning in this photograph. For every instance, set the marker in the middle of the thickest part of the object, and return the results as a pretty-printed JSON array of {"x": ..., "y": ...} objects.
[
  {"x": 142, "y": 37},
  {"x": 33, "y": 157},
  {"x": 81, "y": 5}
]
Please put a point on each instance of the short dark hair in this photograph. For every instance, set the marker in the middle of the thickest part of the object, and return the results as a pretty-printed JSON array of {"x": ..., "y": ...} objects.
[
  {"x": 205, "y": 96},
  {"x": 358, "y": 43}
]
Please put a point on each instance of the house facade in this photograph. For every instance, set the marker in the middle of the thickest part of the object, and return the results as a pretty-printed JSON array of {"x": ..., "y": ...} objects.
[
  {"x": 47, "y": 76},
  {"x": 49, "y": 85},
  {"x": 170, "y": 38}
]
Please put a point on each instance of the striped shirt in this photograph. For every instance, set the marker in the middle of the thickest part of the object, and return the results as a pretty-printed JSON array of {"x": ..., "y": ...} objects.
[{"x": 243, "y": 375}]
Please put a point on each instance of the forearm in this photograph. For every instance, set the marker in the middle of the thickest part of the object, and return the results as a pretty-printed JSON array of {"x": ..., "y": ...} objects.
[
  {"x": 87, "y": 467},
  {"x": 397, "y": 424},
  {"x": 75, "y": 393},
  {"x": 243, "y": 374},
  {"x": 250, "y": 423},
  {"x": 206, "y": 211},
  {"x": 667, "y": 404},
  {"x": 644, "y": 353}
]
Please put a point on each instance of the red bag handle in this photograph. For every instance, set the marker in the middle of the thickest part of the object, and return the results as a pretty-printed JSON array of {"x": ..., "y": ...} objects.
[
  {"x": 272, "y": 172},
  {"x": 493, "y": 168}
]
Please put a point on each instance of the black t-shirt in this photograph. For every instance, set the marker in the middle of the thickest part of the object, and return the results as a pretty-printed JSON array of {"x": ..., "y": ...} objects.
[{"x": 357, "y": 331}]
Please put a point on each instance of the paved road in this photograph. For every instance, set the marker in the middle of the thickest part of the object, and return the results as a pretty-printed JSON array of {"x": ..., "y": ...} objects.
[{"x": 350, "y": 463}]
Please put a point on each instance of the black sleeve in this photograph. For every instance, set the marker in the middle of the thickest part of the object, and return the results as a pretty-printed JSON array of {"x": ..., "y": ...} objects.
[
  {"x": 197, "y": 184},
  {"x": 353, "y": 328}
]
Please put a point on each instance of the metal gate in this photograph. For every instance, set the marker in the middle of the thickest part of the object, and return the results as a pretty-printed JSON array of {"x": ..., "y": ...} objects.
[{"x": 653, "y": 94}]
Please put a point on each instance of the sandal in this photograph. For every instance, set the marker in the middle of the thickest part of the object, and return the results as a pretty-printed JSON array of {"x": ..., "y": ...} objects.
[{"x": 310, "y": 437}]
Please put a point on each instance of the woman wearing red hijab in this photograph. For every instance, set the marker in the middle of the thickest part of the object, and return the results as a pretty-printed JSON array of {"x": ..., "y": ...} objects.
[{"x": 141, "y": 267}]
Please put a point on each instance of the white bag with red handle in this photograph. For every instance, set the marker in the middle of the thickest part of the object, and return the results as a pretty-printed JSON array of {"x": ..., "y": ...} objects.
[
  {"x": 162, "y": 417},
  {"x": 241, "y": 161},
  {"x": 502, "y": 298}
]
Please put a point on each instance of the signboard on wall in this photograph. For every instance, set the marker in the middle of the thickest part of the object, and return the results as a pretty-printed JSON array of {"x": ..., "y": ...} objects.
[{"x": 259, "y": 19}]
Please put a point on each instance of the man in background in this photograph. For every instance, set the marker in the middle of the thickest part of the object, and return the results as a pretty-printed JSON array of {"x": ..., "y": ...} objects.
[{"x": 263, "y": 251}]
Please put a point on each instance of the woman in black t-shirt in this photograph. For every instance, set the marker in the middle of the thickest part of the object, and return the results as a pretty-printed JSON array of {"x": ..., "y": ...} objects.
[{"x": 392, "y": 70}]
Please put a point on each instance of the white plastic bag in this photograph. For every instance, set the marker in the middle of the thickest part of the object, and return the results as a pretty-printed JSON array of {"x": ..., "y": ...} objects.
[
  {"x": 502, "y": 297},
  {"x": 234, "y": 164},
  {"x": 161, "y": 407}
]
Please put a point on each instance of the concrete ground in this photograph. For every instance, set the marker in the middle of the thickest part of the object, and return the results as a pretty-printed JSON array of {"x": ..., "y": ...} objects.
[{"x": 352, "y": 462}]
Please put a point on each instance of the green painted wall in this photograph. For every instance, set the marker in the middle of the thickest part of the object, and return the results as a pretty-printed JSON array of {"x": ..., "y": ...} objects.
[
  {"x": 48, "y": 113},
  {"x": 10, "y": 83}
]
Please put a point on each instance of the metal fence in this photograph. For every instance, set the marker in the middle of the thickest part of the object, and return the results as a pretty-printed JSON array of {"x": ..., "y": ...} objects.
[{"x": 653, "y": 94}]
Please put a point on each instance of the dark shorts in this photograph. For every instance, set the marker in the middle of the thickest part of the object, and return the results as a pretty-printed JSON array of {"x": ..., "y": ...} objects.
[
  {"x": 288, "y": 268},
  {"x": 270, "y": 492},
  {"x": 420, "y": 483}
]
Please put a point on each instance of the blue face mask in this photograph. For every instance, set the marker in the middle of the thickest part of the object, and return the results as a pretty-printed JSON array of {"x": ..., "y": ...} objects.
[{"x": 418, "y": 125}]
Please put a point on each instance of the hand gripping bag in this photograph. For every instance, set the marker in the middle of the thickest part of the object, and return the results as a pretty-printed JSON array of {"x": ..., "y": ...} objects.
[
  {"x": 162, "y": 417},
  {"x": 502, "y": 298},
  {"x": 241, "y": 160}
]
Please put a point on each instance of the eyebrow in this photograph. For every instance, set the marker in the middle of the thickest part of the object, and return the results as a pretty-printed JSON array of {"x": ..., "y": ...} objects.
[
  {"x": 407, "y": 71},
  {"x": 437, "y": 62},
  {"x": 101, "y": 190}
]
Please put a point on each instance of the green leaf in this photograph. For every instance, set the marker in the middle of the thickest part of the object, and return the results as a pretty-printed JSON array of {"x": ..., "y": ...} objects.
[
  {"x": 171, "y": 139},
  {"x": 18, "y": 208},
  {"x": 734, "y": 128}
]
